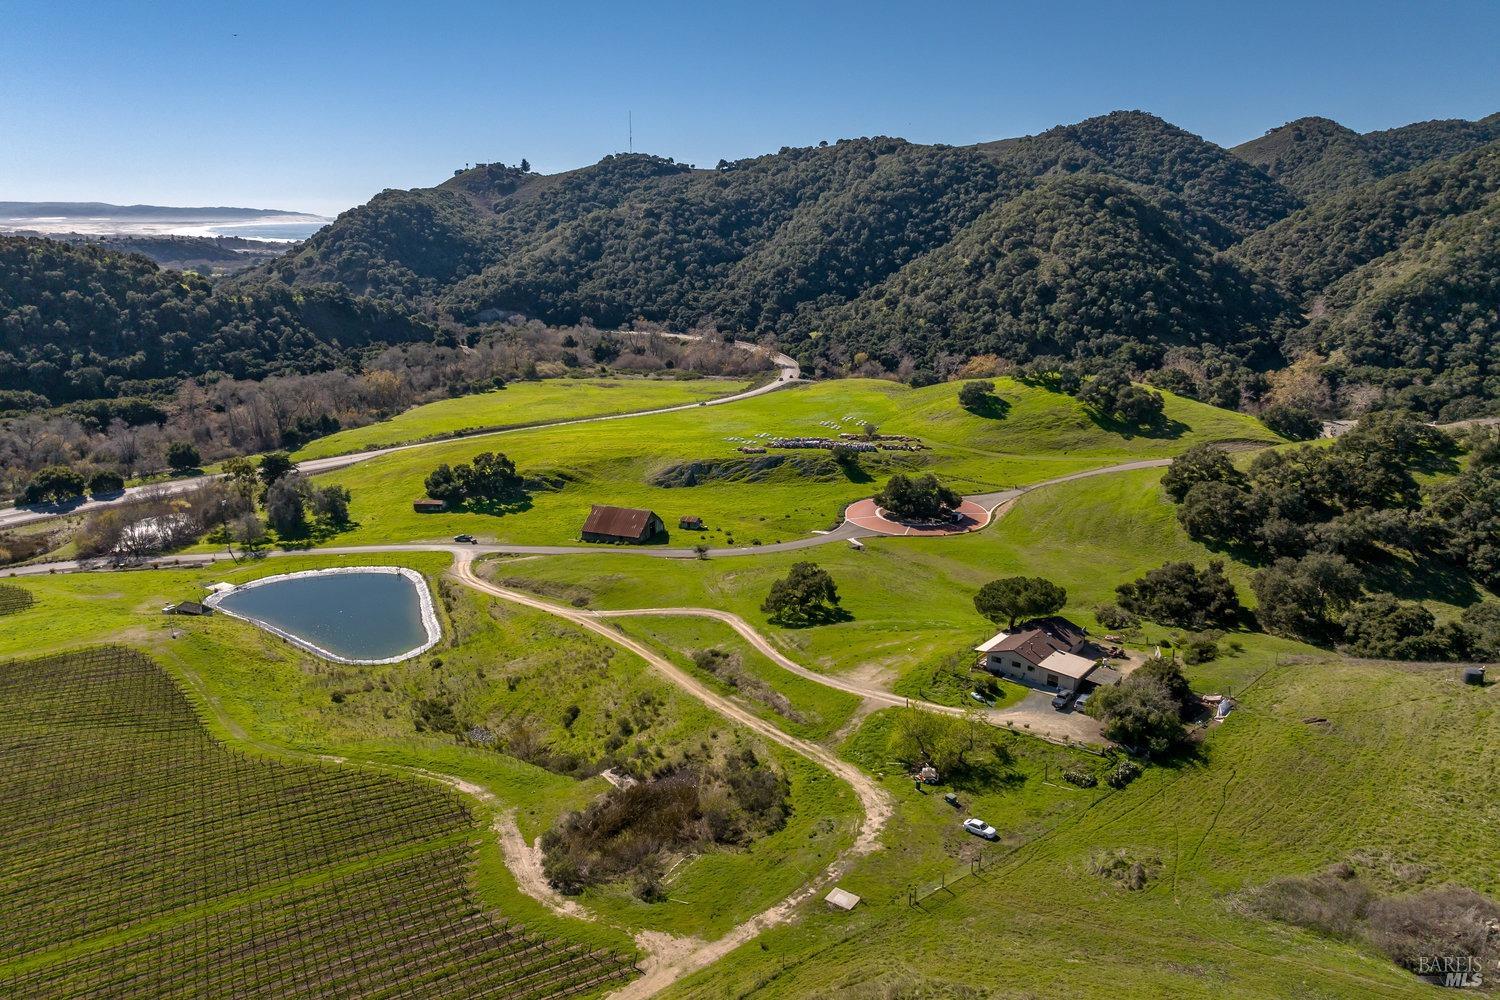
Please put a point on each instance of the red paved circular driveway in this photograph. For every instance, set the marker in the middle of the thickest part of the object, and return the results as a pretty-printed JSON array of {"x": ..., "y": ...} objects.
[{"x": 864, "y": 513}]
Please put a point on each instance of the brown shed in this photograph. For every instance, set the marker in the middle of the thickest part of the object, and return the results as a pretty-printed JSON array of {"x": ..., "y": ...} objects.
[
  {"x": 621, "y": 524},
  {"x": 691, "y": 522},
  {"x": 427, "y": 505}
]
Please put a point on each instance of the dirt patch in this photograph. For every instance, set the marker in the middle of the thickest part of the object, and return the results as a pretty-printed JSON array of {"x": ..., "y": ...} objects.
[{"x": 525, "y": 864}]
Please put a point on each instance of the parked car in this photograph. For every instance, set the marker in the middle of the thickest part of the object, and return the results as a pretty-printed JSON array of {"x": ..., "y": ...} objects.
[
  {"x": 467, "y": 539},
  {"x": 979, "y": 697},
  {"x": 1062, "y": 699},
  {"x": 951, "y": 799},
  {"x": 980, "y": 828},
  {"x": 1082, "y": 702}
]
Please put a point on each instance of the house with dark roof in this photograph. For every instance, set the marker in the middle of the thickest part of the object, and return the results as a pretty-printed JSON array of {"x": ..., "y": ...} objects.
[
  {"x": 1047, "y": 652},
  {"x": 621, "y": 524}
]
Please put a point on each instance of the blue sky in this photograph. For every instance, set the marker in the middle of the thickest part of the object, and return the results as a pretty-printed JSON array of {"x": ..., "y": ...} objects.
[{"x": 317, "y": 106}]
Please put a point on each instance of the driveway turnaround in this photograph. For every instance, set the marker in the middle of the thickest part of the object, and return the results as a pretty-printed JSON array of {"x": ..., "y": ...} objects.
[{"x": 970, "y": 516}]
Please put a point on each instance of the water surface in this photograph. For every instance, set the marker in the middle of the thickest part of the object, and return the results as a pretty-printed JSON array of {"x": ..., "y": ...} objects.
[{"x": 355, "y": 616}]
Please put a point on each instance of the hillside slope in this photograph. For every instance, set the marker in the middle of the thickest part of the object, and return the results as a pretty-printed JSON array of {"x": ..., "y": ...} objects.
[
  {"x": 1318, "y": 157},
  {"x": 80, "y": 322}
]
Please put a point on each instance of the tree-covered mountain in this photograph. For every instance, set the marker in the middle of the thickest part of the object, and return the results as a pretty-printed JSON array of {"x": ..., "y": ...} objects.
[
  {"x": 1400, "y": 280},
  {"x": 1122, "y": 241},
  {"x": 1317, "y": 157},
  {"x": 81, "y": 322},
  {"x": 800, "y": 241},
  {"x": 1083, "y": 266}
]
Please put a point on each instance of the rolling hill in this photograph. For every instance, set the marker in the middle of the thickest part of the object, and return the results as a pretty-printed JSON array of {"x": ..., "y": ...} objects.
[{"x": 1318, "y": 157}]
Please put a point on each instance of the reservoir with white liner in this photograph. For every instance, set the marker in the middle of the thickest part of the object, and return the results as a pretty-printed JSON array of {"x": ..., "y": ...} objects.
[{"x": 366, "y": 614}]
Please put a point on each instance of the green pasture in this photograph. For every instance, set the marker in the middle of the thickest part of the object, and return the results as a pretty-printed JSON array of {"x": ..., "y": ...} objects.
[
  {"x": 521, "y": 404},
  {"x": 635, "y": 461}
]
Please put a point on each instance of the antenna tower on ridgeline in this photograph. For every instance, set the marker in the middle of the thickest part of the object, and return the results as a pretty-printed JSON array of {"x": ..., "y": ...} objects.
[{"x": 630, "y": 131}]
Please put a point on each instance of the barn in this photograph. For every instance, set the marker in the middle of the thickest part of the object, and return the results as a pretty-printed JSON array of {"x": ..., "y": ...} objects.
[{"x": 621, "y": 524}]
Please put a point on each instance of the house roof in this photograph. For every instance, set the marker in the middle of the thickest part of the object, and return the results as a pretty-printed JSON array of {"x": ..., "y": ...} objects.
[
  {"x": 1068, "y": 665},
  {"x": 1105, "y": 676},
  {"x": 1069, "y": 635},
  {"x": 1032, "y": 645},
  {"x": 622, "y": 522}
]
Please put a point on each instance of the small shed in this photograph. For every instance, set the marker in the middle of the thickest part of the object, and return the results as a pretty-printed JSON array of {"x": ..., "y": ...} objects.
[
  {"x": 843, "y": 899},
  {"x": 429, "y": 505},
  {"x": 189, "y": 608},
  {"x": 621, "y": 524},
  {"x": 690, "y": 522}
]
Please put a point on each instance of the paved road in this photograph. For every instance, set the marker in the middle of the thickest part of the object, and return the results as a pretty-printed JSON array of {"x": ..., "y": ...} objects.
[
  {"x": 788, "y": 371},
  {"x": 843, "y": 533}
]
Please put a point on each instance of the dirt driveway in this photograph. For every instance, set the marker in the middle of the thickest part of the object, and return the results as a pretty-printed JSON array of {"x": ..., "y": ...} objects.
[{"x": 1035, "y": 714}]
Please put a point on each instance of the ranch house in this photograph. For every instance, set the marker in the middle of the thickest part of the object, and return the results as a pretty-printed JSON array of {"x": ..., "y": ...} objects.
[{"x": 1049, "y": 653}]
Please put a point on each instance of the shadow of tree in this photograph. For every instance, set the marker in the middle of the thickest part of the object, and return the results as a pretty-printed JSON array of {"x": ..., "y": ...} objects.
[
  {"x": 1161, "y": 429},
  {"x": 1425, "y": 580},
  {"x": 992, "y": 407},
  {"x": 812, "y": 617},
  {"x": 855, "y": 473}
]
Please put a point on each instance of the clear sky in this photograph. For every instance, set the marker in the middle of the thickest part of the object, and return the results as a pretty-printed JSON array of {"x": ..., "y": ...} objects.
[{"x": 316, "y": 106}]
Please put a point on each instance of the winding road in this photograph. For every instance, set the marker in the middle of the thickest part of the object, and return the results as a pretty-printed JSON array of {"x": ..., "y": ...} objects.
[{"x": 787, "y": 372}]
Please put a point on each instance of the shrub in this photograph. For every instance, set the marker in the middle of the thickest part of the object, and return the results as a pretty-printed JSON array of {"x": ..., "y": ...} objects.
[
  {"x": 54, "y": 484},
  {"x": 1124, "y": 868},
  {"x": 1078, "y": 776},
  {"x": 1382, "y": 626},
  {"x": 1448, "y": 920},
  {"x": 806, "y": 594},
  {"x": 106, "y": 481},
  {"x": 1292, "y": 422},
  {"x": 1123, "y": 774},
  {"x": 1178, "y": 593},
  {"x": 921, "y": 497},
  {"x": 1330, "y": 903},
  {"x": 182, "y": 456},
  {"x": 1112, "y": 616}
]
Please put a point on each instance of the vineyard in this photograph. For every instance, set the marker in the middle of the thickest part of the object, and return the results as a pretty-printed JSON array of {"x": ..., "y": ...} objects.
[
  {"x": 140, "y": 858},
  {"x": 13, "y": 599}
]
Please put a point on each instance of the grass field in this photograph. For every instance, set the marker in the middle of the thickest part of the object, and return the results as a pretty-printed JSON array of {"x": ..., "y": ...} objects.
[
  {"x": 148, "y": 861},
  {"x": 1041, "y": 435},
  {"x": 911, "y": 600},
  {"x": 1385, "y": 781},
  {"x": 521, "y": 404}
]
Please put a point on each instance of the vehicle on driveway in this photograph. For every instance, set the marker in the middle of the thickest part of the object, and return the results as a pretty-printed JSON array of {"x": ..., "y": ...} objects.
[
  {"x": 951, "y": 799},
  {"x": 468, "y": 539},
  {"x": 980, "y": 828},
  {"x": 1082, "y": 702},
  {"x": 1062, "y": 699}
]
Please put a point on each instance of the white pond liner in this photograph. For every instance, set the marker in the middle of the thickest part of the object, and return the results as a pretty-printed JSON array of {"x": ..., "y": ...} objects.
[{"x": 424, "y": 597}]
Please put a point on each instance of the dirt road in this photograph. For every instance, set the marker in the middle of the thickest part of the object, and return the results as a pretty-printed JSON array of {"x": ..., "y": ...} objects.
[{"x": 670, "y": 958}]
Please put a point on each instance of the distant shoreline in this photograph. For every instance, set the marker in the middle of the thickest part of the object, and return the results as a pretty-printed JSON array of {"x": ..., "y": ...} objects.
[{"x": 288, "y": 228}]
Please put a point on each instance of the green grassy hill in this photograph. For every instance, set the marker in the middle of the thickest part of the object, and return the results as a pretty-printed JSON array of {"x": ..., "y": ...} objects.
[
  {"x": 520, "y": 404},
  {"x": 1272, "y": 795},
  {"x": 1041, "y": 435}
]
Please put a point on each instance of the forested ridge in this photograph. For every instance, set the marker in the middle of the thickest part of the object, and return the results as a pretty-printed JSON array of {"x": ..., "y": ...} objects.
[
  {"x": 1314, "y": 267},
  {"x": 81, "y": 322},
  {"x": 1317, "y": 157}
]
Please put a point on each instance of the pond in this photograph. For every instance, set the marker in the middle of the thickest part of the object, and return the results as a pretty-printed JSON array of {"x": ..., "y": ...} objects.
[{"x": 373, "y": 614}]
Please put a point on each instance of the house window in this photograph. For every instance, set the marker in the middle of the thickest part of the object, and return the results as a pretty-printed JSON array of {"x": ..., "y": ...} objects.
[{"x": 1052, "y": 680}]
